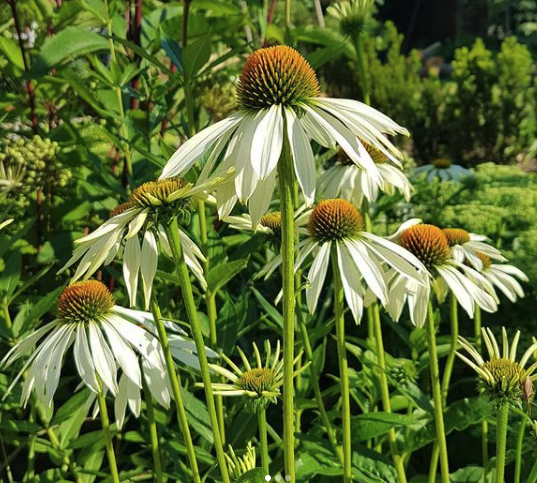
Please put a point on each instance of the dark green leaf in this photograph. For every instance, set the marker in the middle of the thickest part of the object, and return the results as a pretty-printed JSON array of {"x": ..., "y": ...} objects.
[
  {"x": 196, "y": 55},
  {"x": 11, "y": 275},
  {"x": 371, "y": 425},
  {"x": 221, "y": 274},
  {"x": 257, "y": 475}
]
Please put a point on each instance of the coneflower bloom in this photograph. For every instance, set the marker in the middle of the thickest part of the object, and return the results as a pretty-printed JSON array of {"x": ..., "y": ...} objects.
[
  {"x": 443, "y": 169},
  {"x": 430, "y": 245},
  {"x": 279, "y": 99},
  {"x": 135, "y": 230},
  {"x": 501, "y": 376},
  {"x": 351, "y": 15},
  {"x": 270, "y": 223},
  {"x": 260, "y": 382},
  {"x": 344, "y": 179},
  {"x": 465, "y": 245},
  {"x": 503, "y": 277},
  {"x": 338, "y": 226}
]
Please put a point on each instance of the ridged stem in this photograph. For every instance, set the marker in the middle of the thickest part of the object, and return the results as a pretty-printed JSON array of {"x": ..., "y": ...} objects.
[
  {"x": 286, "y": 183},
  {"x": 484, "y": 424},
  {"x": 360, "y": 63},
  {"x": 385, "y": 394},
  {"x": 172, "y": 232},
  {"x": 105, "y": 423},
  {"x": 343, "y": 371},
  {"x": 501, "y": 441},
  {"x": 175, "y": 383},
  {"x": 519, "y": 446},
  {"x": 437, "y": 398},
  {"x": 153, "y": 435},
  {"x": 263, "y": 440}
]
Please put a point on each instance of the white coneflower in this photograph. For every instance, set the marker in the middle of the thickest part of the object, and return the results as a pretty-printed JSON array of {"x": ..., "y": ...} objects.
[
  {"x": 270, "y": 223},
  {"x": 346, "y": 180},
  {"x": 501, "y": 376},
  {"x": 137, "y": 227},
  {"x": 362, "y": 257},
  {"x": 280, "y": 102},
  {"x": 10, "y": 178},
  {"x": 105, "y": 337},
  {"x": 430, "y": 245},
  {"x": 503, "y": 276},
  {"x": 261, "y": 382},
  {"x": 443, "y": 169},
  {"x": 465, "y": 245},
  {"x": 351, "y": 15}
]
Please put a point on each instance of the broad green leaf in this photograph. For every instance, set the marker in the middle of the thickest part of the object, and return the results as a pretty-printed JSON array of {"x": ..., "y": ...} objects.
[
  {"x": 69, "y": 44},
  {"x": 12, "y": 51},
  {"x": 470, "y": 474},
  {"x": 221, "y": 274},
  {"x": 369, "y": 466},
  {"x": 196, "y": 55},
  {"x": 144, "y": 54},
  {"x": 257, "y": 475},
  {"x": 11, "y": 275},
  {"x": 371, "y": 425}
]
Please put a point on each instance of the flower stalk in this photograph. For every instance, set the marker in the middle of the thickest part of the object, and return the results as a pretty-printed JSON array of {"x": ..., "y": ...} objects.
[
  {"x": 175, "y": 384},
  {"x": 501, "y": 441},
  {"x": 343, "y": 372},
  {"x": 437, "y": 399},
  {"x": 172, "y": 232},
  {"x": 263, "y": 440},
  {"x": 153, "y": 435},
  {"x": 105, "y": 422},
  {"x": 385, "y": 394},
  {"x": 484, "y": 424},
  {"x": 286, "y": 183}
]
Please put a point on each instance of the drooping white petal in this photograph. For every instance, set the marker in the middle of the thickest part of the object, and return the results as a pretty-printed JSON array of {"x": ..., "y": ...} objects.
[
  {"x": 193, "y": 149},
  {"x": 303, "y": 159},
  {"x": 132, "y": 258},
  {"x": 52, "y": 372},
  {"x": 454, "y": 280},
  {"x": 259, "y": 202},
  {"x": 136, "y": 225},
  {"x": 120, "y": 402},
  {"x": 352, "y": 286},
  {"x": 103, "y": 358},
  {"x": 317, "y": 275},
  {"x": 83, "y": 359},
  {"x": 148, "y": 265},
  {"x": 267, "y": 142}
]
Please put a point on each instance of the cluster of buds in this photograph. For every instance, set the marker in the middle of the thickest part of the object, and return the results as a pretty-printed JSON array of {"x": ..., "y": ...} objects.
[
  {"x": 402, "y": 372},
  {"x": 36, "y": 161}
]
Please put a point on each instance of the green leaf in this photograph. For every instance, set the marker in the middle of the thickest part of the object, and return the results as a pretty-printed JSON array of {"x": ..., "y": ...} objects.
[
  {"x": 269, "y": 308},
  {"x": 145, "y": 55},
  {"x": 12, "y": 51},
  {"x": 69, "y": 44},
  {"x": 221, "y": 274},
  {"x": 11, "y": 275},
  {"x": 257, "y": 475},
  {"x": 371, "y": 425},
  {"x": 196, "y": 55}
]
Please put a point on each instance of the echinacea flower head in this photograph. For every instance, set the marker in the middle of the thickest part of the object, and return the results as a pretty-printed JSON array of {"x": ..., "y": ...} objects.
[
  {"x": 239, "y": 465},
  {"x": 136, "y": 230},
  {"x": 443, "y": 169},
  {"x": 465, "y": 245},
  {"x": 260, "y": 382},
  {"x": 351, "y": 15},
  {"x": 279, "y": 100},
  {"x": 503, "y": 277},
  {"x": 344, "y": 179},
  {"x": 502, "y": 376},
  {"x": 430, "y": 245},
  {"x": 105, "y": 338},
  {"x": 335, "y": 230},
  {"x": 269, "y": 224}
]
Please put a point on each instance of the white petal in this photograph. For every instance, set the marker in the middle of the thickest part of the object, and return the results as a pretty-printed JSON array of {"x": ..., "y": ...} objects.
[
  {"x": 120, "y": 402},
  {"x": 52, "y": 373},
  {"x": 317, "y": 275},
  {"x": 197, "y": 146},
  {"x": 102, "y": 358},
  {"x": 132, "y": 258},
  {"x": 83, "y": 359},
  {"x": 267, "y": 142},
  {"x": 148, "y": 266},
  {"x": 352, "y": 286}
]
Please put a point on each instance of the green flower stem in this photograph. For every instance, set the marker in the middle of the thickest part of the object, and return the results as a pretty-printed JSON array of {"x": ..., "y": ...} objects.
[
  {"x": 519, "y": 445},
  {"x": 385, "y": 393},
  {"x": 105, "y": 422},
  {"x": 343, "y": 371},
  {"x": 501, "y": 441},
  {"x": 119, "y": 95},
  {"x": 437, "y": 398},
  {"x": 533, "y": 474},
  {"x": 360, "y": 64},
  {"x": 316, "y": 387},
  {"x": 153, "y": 435},
  {"x": 288, "y": 22},
  {"x": 484, "y": 424},
  {"x": 175, "y": 383},
  {"x": 172, "y": 232},
  {"x": 263, "y": 440},
  {"x": 286, "y": 182},
  {"x": 7, "y": 317}
]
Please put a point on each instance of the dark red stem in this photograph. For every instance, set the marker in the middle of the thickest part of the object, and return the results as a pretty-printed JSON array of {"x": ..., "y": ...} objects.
[{"x": 270, "y": 18}]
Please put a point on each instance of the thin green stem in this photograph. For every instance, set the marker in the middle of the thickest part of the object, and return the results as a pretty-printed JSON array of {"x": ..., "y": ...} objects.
[
  {"x": 172, "y": 232},
  {"x": 119, "y": 94},
  {"x": 316, "y": 387},
  {"x": 287, "y": 22},
  {"x": 519, "y": 446},
  {"x": 7, "y": 317},
  {"x": 343, "y": 371},
  {"x": 360, "y": 64},
  {"x": 437, "y": 397},
  {"x": 263, "y": 440},
  {"x": 385, "y": 394},
  {"x": 153, "y": 435},
  {"x": 175, "y": 383},
  {"x": 501, "y": 441},
  {"x": 105, "y": 423},
  {"x": 484, "y": 424},
  {"x": 286, "y": 182}
]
